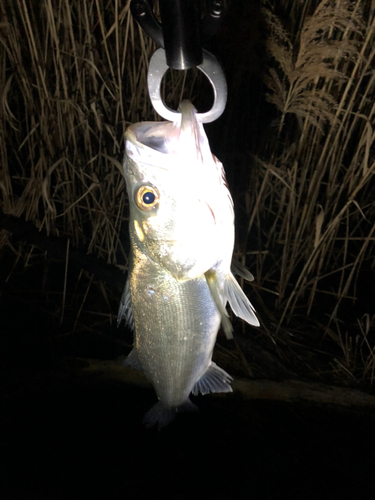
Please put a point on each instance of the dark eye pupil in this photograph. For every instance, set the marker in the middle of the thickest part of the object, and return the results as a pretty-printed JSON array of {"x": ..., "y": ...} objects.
[{"x": 148, "y": 198}]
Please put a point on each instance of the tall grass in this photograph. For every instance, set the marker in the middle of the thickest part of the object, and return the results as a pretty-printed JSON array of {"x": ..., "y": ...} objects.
[
  {"x": 73, "y": 77},
  {"x": 314, "y": 180}
]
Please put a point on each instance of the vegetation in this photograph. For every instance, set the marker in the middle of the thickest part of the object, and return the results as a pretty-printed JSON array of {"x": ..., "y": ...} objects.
[
  {"x": 315, "y": 181},
  {"x": 73, "y": 77}
]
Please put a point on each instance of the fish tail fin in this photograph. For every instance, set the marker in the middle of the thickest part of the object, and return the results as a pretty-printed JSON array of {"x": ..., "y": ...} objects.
[{"x": 162, "y": 415}]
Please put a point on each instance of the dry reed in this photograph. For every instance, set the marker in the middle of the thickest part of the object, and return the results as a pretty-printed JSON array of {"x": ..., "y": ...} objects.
[{"x": 315, "y": 181}]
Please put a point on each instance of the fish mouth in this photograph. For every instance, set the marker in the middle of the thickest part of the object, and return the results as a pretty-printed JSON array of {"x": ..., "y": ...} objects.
[{"x": 153, "y": 136}]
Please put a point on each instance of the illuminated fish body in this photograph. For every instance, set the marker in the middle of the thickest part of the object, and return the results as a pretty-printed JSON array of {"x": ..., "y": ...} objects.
[{"x": 182, "y": 236}]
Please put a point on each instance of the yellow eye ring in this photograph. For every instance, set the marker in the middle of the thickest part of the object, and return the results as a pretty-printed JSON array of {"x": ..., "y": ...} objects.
[{"x": 147, "y": 198}]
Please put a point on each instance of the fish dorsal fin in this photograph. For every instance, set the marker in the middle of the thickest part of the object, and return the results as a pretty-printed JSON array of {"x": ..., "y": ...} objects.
[
  {"x": 125, "y": 308},
  {"x": 240, "y": 270},
  {"x": 132, "y": 360},
  {"x": 238, "y": 301},
  {"x": 213, "y": 285},
  {"x": 214, "y": 379}
]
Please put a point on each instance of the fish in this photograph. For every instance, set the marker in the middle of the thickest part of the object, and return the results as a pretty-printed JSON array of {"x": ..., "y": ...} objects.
[{"x": 181, "y": 229}]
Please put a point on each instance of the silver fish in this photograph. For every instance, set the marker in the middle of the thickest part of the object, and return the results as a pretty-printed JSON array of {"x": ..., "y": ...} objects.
[{"x": 180, "y": 279}]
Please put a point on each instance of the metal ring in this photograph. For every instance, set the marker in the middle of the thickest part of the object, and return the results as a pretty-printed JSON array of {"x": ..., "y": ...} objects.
[{"x": 210, "y": 67}]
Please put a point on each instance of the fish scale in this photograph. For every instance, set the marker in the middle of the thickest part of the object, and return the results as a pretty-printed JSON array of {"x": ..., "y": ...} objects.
[{"x": 178, "y": 355}]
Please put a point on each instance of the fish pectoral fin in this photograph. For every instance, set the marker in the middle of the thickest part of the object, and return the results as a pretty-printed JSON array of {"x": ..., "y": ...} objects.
[
  {"x": 240, "y": 304},
  {"x": 132, "y": 360},
  {"x": 214, "y": 379},
  {"x": 213, "y": 285},
  {"x": 125, "y": 308},
  {"x": 240, "y": 270}
]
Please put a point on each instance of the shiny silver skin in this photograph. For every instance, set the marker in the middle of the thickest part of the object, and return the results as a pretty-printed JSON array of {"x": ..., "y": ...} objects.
[
  {"x": 176, "y": 245},
  {"x": 176, "y": 325}
]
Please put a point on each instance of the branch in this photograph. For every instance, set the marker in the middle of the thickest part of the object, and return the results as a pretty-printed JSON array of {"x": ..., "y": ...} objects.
[{"x": 22, "y": 230}]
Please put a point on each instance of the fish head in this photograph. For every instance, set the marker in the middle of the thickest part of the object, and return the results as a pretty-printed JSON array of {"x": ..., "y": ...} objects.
[{"x": 181, "y": 211}]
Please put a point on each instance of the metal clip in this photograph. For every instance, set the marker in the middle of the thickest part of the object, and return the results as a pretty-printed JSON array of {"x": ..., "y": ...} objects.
[
  {"x": 180, "y": 34},
  {"x": 210, "y": 67}
]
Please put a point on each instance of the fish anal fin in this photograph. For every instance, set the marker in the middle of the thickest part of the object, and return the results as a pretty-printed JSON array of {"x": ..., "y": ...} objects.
[
  {"x": 214, "y": 379},
  {"x": 213, "y": 285},
  {"x": 240, "y": 304}
]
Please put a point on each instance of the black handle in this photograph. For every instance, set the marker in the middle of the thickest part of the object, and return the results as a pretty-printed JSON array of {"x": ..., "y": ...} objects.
[
  {"x": 142, "y": 12},
  {"x": 182, "y": 30}
]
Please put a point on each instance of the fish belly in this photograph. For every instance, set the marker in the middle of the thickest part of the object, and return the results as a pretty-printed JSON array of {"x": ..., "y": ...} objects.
[{"x": 176, "y": 324}]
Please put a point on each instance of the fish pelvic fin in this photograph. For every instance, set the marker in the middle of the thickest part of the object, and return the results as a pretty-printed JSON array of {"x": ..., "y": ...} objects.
[
  {"x": 132, "y": 360},
  {"x": 214, "y": 379},
  {"x": 162, "y": 415},
  {"x": 125, "y": 308},
  {"x": 213, "y": 285},
  {"x": 240, "y": 304},
  {"x": 240, "y": 270}
]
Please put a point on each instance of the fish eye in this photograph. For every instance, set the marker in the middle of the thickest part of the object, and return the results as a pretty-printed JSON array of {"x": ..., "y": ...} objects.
[{"x": 147, "y": 198}]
